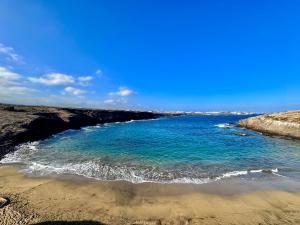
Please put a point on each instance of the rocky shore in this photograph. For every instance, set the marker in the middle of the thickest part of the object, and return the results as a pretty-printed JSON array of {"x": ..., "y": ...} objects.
[
  {"x": 19, "y": 124},
  {"x": 284, "y": 124}
]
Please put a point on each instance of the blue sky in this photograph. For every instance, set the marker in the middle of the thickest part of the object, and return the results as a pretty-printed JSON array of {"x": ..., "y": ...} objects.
[{"x": 151, "y": 55}]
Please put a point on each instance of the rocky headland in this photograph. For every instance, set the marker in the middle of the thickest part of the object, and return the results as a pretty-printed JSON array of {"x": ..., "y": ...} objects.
[
  {"x": 283, "y": 123},
  {"x": 19, "y": 124}
]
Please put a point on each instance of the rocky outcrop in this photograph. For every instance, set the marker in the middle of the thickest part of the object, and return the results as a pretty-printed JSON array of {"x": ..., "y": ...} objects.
[
  {"x": 284, "y": 124},
  {"x": 19, "y": 124}
]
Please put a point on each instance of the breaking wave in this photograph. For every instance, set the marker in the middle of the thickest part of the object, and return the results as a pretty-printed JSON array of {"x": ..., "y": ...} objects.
[
  {"x": 224, "y": 125},
  {"x": 101, "y": 169}
]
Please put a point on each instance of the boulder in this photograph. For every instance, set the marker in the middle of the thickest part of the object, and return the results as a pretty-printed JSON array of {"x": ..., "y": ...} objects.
[{"x": 3, "y": 202}]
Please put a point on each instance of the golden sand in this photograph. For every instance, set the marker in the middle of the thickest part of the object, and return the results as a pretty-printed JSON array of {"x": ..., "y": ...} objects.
[{"x": 37, "y": 200}]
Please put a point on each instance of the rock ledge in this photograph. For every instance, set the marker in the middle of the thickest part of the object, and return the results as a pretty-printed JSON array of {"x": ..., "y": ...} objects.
[{"x": 283, "y": 124}]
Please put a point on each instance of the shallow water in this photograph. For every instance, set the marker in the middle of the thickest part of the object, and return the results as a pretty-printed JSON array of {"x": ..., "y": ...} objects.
[{"x": 183, "y": 149}]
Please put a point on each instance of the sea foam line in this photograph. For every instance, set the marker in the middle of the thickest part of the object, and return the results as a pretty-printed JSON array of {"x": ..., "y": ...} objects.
[
  {"x": 88, "y": 128},
  {"x": 94, "y": 170}
]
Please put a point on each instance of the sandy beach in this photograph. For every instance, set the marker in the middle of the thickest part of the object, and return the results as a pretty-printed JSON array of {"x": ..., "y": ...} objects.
[
  {"x": 35, "y": 200},
  {"x": 149, "y": 112}
]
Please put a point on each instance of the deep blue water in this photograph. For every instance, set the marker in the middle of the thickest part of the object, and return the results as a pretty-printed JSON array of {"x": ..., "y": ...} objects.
[{"x": 183, "y": 149}]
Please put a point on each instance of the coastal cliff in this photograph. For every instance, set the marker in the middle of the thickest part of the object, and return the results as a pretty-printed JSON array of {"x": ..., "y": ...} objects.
[
  {"x": 19, "y": 124},
  {"x": 283, "y": 124}
]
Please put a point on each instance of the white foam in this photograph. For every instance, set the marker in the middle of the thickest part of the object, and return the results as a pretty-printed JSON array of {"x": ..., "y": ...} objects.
[
  {"x": 275, "y": 172},
  {"x": 130, "y": 121},
  {"x": 256, "y": 171},
  {"x": 188, "y": 180},
  {"x": 100, "y": 170},
  {"x": 144, "y": 120},
  {"x": 22, "y": 152},
  {"x": 246, "y": 172},
  {"x": 234, "y": 174},
  {"x": 97, "y": 171},
  {"x": 223, "y": 125}
]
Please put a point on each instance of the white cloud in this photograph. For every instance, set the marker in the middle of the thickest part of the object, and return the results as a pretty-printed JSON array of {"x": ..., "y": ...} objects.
[
  {"x": 20, "y": 89},
  {"x": 84, "y": 81},
  {"x": 11, "y": 85},
  {"x": 53, "y": 79},
  {"x": 123, "y": 91},
  {"x": 10, "y": 53},
  {"x": 99, "y": 72},
  {"x": 115, "y": 101},
  {"x": 109, "y": 101},
  {"x": 87, "y": 78},
  {"x": 11, "y": 92},
  {"x": 74, "y": 91},
  {"x": 8, "y": 77}
]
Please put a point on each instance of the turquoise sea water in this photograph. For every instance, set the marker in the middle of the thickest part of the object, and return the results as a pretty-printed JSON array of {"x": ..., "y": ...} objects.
[{"x": 183, "y": 149}]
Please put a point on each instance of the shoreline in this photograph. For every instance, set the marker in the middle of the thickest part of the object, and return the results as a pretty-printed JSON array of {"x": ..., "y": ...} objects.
[
  {"x": 36, "y": 199},
  {"x": 278, "y": 180},
  {"x": 20, "y": 124},
  {"x": 225, "y": 187}
]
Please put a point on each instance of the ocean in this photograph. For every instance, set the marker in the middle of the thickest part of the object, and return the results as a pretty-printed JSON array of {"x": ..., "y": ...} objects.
[{"x": 180, "y": 149}]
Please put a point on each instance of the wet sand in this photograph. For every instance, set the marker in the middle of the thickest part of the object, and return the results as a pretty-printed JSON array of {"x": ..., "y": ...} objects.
[{"x": 40, "y": 200}]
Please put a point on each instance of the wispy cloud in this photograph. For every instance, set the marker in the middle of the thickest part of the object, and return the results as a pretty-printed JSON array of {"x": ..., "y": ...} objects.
[
  {"x": 99, "y": 72},
  {"x": 115, "y": 101},
  {"x": 16, "y": 87},
  {"x": 8, "y": 77},
  {"x": 74, "y": 91},
  {"x": 84, "y": 81},
  {"x": 20, "y": 89},
  {"x": 11, "y": 85},
  {"x": 123, "y": 91},
  {"x": 53, "y": 79},
  {"x": 10, "y": 53},
  {"x": 87, "y": 78}
]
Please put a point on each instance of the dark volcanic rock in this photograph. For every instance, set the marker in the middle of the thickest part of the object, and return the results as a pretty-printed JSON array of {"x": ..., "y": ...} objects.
[{"x": 19, "y": 124}]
